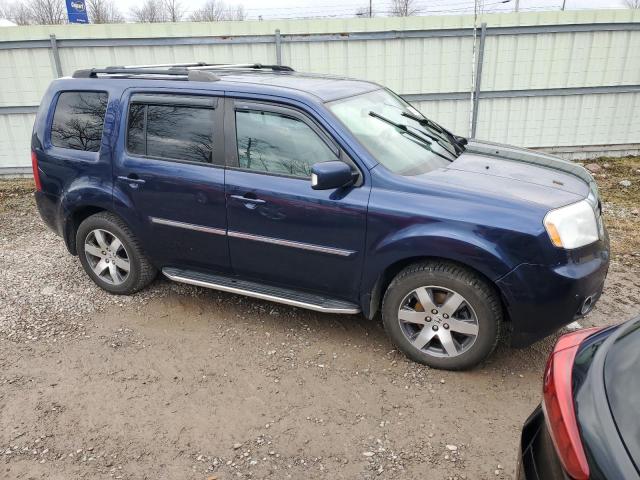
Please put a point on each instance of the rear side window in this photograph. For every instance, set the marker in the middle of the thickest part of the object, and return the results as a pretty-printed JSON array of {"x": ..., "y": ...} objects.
[
  {"x": 78, "y": 120},
  {"x": 173, "y": 132}
]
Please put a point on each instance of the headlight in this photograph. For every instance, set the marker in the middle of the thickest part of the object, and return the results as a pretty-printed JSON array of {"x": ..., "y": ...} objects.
[{"x": 572, "y": 226}]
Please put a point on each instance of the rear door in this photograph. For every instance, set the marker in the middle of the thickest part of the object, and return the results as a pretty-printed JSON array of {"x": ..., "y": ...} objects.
[
  {"x": 281, "y": 231},
  {"x": 169, "y": 178}
]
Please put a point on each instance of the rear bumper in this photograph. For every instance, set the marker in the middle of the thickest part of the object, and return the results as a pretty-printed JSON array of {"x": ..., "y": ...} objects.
[
  {"x": 537, "y": 458},
  {"x": 541, "y": 299},
  {"x": 48, "y": 209}
]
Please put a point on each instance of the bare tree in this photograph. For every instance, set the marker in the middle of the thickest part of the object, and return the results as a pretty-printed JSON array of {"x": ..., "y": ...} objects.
[
  {"x": 215, "y": 11},
  {"x": 404, "y": 8},
  {"x": 632, "y": 3},
  {"x": 212, "y": 11},
  {"x": 150, "y": 11},
  {"x": 47, "y": 12},
  {"x": 104, "y": 11},
  {"x": 17, "y": 12},
  {"x": 174, "y": 11},
  {"x": 237, "y": 13}
]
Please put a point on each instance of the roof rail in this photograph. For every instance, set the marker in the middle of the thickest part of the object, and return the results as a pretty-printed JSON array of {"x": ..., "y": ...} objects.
[
  {"x": 150, "y": 73},
  {"x": 161, "y": 65},
  {"x": 175, "y": 69},
  {"x": 240, "y": 66}
]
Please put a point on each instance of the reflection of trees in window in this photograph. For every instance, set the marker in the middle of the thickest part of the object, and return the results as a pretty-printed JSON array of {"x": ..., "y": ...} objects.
[
  {"x": 275, "y": 143},
  {"x": 181, "y": 133},
  {"x": 135, "y": 135},
  {"x": 78, "y": 120}
]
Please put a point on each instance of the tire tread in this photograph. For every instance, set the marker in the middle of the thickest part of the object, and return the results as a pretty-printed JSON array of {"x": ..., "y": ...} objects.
[
  {"x": 464, "y": 274},
  {"x": 147, "y": 271}
]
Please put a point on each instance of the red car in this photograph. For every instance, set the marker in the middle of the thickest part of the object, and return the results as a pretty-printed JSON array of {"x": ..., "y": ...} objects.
[{"x": 588, "y": 425}]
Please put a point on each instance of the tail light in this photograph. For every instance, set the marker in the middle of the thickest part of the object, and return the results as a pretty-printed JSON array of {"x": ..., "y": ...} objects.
[
  {"x": 36, "y": 173},
  {"x": 558, "y": 404}
]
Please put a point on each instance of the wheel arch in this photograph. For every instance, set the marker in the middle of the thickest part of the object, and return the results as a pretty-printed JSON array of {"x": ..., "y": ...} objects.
[
  {"x": 386, "y": 276},
  {"x": 73, "y": 221}
]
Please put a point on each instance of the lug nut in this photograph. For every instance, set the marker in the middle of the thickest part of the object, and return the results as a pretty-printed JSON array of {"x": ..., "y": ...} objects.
[
  {"x": 435, "y": 328},
  {"x": 444, "y": 315},
  {"x": 434, "y": 311},
  {"x": 446, "y": 326},
  {"x": 428, "y": 319}
]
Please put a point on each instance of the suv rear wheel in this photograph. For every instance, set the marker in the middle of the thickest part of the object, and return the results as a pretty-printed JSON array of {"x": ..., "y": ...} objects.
[
  {"x": 111, "y": 255},
  {"x": 442, "y": 315}
]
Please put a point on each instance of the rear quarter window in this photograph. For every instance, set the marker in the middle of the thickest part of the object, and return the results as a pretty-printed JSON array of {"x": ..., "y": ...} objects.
[{"x": 78, "y": 120}]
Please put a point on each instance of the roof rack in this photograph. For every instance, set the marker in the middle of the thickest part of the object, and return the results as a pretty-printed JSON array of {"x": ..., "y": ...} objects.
[
  {"x": 242, "y": 66},
  {"x": 198, "y": 71}
]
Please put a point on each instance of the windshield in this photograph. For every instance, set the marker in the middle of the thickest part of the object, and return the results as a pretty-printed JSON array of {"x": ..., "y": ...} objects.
[{"x": 395, "y": 133}]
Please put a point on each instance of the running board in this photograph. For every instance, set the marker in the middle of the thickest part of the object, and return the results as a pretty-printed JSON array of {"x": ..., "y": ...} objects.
[{"x": 295, "y": 298}]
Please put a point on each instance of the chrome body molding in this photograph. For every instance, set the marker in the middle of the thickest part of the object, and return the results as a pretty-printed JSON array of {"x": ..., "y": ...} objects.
[
  {"x": 262, "y": 296},
  {"x": 290, "y": 243},
  {"x": 187, "y": 226},
  {"x": 256, "y": 238}
]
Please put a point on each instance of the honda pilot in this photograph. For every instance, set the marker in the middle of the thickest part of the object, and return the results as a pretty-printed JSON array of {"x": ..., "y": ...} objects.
[{"x": 320, "y": 192}]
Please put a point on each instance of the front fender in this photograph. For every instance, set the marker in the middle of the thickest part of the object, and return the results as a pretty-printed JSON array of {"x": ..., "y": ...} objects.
[{"x": 464, "y": 245}]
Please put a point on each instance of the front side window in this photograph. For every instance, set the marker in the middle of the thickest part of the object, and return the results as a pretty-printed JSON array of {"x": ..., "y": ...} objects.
[
  {"x": 395, "y": 133},
  {"x": 171, "y": 132},
  {"x": 78, "y": 120},
  {"x": 274, "y": 143}
]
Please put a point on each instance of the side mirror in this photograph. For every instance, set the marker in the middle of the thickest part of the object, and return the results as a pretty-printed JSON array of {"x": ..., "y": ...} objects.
[{"x": 328, "y": 175}]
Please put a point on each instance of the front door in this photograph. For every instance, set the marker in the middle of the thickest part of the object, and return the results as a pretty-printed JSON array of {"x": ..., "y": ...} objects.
[
  {"x": 169, "y": 180},
  {"x": 281, "y": 231}
]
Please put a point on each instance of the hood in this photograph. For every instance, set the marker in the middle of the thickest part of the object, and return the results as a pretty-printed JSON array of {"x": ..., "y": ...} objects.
[
  {"x": 519, "y": 174},
  {"x": 532, "y": 157}
]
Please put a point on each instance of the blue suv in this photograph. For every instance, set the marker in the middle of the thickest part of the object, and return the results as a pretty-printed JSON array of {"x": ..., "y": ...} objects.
[{"x": 317, "y": 191}]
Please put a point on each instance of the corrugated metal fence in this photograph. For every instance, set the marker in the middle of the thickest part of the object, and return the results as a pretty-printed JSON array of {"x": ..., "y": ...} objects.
[{"x": 564, "y": 81}]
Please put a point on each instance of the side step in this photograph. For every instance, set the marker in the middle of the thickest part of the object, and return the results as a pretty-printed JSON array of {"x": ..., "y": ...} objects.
[{"x": 306, "y": 300}]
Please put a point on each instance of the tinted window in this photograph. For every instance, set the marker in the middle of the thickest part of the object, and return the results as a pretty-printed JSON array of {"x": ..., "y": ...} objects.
[
  {"x": 78, "y": 120},
  {"x": 135, "y": 136},
  {"x": 274, "y": 143},
  {"x": 174, "y": 132}
]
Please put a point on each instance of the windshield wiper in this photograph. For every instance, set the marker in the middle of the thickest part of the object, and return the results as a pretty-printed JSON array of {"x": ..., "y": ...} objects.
[
  {"x": 458, "y": 142},
  {"x": 405, "y": 129}
]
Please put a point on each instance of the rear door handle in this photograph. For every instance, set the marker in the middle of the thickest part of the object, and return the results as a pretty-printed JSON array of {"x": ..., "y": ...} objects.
[
  {"x": 131, "y": 179},
  {"x": 255, "y": 201}
]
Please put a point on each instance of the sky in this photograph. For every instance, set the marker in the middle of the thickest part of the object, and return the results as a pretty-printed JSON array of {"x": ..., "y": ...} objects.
[{"x": 330, "y": 8}]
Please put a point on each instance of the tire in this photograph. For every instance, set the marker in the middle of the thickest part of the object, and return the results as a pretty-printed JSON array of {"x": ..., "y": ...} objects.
[
  {"x": 95, "y": 243},
  {"x": 456, "y": 338}
]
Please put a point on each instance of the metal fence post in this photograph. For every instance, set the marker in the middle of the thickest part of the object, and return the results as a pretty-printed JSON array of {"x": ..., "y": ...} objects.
[
  {"x": 56, "y": 54},
  {"x": 476, "y": 90},
  {"x": 278, "y": 47}
]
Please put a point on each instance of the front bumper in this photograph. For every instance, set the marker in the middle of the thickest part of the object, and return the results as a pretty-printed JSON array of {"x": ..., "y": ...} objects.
[
  {"x": 541, "y": 299},
  {"x": 537, "y": 458}
]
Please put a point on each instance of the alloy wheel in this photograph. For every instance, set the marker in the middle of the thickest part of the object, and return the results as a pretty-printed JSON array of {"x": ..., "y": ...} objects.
[
  {"x": 438, "y": 321},
  {"x": 107, "y": 256}
]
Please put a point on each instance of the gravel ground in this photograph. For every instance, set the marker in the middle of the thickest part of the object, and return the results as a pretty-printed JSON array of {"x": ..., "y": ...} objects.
[{"x": 182, "y": 382}]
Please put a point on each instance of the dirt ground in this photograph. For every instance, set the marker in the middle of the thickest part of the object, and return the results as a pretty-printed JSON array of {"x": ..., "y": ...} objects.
[{"x": 178, "y": 382}]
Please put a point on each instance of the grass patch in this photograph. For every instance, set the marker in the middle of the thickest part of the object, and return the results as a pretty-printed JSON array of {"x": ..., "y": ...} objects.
[{"x": 621, "y": 204}]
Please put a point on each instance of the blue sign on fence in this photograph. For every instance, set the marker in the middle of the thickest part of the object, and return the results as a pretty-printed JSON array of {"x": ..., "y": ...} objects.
[{"x": 77, "y": 11}]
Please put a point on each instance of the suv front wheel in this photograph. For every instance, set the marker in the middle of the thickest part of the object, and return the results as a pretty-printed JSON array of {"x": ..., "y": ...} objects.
[
  {"x": 111, "y": 255},
  {"x": 442, "y": 315}
]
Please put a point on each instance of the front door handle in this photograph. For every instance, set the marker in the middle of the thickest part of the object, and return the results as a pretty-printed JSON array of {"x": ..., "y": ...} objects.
[
  {"x": 133, "y": 178},
  {"x": 245, "y": 199}
]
